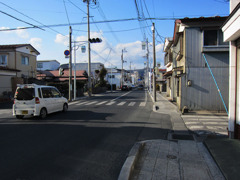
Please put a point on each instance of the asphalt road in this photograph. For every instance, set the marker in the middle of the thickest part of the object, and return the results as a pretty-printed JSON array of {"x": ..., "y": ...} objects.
[{"x": 90, "y": 141}]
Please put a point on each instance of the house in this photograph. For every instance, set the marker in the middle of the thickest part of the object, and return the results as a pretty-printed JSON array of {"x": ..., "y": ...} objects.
[
  {"x": 95, "y": 66},
  {"x": 17, "y": 65},
  {"x": 43, "y": 65},
  {"x": 168, "y": 61},
  {"x": 160, "y": 80},
  {"x": 62, "y": 82},
  {"x": 231, "y": 32},
  {"x": 113, "y": 78},
  {"x": 197, "y": 57}
]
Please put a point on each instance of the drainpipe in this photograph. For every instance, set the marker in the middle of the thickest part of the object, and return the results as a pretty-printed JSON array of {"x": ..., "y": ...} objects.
[{"x": 220, "y": 94}]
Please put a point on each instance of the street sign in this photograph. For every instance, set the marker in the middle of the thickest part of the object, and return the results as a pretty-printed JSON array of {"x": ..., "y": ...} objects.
[{"x": 66, "y": 52}]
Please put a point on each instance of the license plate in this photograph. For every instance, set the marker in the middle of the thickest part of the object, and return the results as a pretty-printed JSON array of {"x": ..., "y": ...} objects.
[{"x": 24, "y": 112}]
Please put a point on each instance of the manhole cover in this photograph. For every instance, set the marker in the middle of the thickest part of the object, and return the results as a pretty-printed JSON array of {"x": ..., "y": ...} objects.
[
  {"x": 171, "y": 157},
  {"x": 182, "y": 137}
]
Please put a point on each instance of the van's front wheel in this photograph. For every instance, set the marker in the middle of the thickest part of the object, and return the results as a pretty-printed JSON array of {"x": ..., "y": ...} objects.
[{"x": 43, "y": 113}]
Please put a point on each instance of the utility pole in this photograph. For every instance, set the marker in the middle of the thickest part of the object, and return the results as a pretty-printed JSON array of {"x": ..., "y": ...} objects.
[
  {"x": 154, "y": 64},
  {"x": 122, "y": 70},
  {"x": 147, "y": 66},
  {"x": 89, "y": 55},
  {"x": 70, "y": 64}
]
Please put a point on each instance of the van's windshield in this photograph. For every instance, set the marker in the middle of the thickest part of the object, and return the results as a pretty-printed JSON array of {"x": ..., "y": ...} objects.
[{"x": 25, "y": 94}]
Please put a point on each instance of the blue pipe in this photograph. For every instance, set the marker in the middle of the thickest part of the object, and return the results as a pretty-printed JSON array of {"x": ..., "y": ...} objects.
[{"x": 216, "y": 84}]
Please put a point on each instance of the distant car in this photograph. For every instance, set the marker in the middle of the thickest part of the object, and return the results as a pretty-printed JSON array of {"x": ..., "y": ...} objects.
[
  {"x": 36, "y": 100},
  {"x": 124, "y": 88},
  {"x": 140, "y": 87}
]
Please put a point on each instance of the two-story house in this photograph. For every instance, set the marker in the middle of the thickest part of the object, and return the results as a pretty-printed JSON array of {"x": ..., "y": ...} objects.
[
  {"x": 49, "y": 65},
  {"x": 17, "y": 63},
  {"x": 199, "y": 59}
]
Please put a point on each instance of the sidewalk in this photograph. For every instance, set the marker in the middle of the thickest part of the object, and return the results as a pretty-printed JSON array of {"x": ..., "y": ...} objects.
[{"x": 196, "y": 149}]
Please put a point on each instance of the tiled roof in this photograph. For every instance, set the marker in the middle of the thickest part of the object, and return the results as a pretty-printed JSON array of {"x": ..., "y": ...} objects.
[{"x": 64, "y": 77}]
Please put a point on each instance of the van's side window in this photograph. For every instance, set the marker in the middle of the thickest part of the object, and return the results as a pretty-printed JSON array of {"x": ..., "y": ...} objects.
[
  {"x": 39, "y": 93},
  {"x": 55, "y": 93},
  {"x": 47, "y": 93}
]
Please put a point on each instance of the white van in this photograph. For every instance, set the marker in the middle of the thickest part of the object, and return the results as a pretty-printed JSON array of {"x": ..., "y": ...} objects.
[{"x": 36, "y": 100}]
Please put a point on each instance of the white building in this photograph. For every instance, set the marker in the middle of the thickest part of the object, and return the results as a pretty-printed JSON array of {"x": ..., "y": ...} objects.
[
  {"x": 113, "y": 77},
  {"x": 231, "y": 31},
  {"x": 50, "y": 65}
]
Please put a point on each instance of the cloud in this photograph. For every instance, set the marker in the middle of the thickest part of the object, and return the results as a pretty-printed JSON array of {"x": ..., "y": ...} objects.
[
  {"x": 22, "y": 33},
  {"x": 110, "y": 55},
  {"x": 36, "y": 42},
  {"x": 60, "y": 39}
]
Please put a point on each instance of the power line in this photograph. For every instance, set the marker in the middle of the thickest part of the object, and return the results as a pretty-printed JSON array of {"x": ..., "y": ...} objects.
[
  {"x": 33, "y": 26},
  {"x": 77, "y": 7},
  {"x": 29, "y": 18},
  {"x": 97, "y": 22},
  {"x": 124, "y": 30},
  {"x": 66, "y": 13},
  {"x": 104, "y": 18}
]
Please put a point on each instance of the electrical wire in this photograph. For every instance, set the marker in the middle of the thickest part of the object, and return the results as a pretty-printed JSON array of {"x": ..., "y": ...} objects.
[
  {"x": 66, "y": 12},
  {"x": 33, "y": 26},
  {"x": 77, "y": 6},
  {"x": 43, "y": 26},
  {"x": 97, "y": 22}
]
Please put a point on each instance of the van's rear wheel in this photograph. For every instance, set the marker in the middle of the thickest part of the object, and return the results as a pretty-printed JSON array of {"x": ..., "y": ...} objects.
[
  {"x": 19, "y": 116},
  {"x": 43, "y": 113}
]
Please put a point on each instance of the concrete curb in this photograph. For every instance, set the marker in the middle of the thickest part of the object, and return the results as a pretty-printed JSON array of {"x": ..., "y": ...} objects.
[{"x": 130, "y": 162}]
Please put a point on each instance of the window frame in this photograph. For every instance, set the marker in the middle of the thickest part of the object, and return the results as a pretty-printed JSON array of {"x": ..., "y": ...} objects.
[
  {"x": 23, "y": 60},
  {"x": 219, "y": 42},
  {"x": 6, "y": 63}
]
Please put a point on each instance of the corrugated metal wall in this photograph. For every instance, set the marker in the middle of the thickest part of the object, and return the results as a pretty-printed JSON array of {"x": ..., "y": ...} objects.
[{"x": 203, "y": 94}]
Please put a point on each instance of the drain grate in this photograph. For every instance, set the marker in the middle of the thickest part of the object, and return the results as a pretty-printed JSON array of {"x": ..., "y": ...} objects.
[{"x": 182, "y": 137}]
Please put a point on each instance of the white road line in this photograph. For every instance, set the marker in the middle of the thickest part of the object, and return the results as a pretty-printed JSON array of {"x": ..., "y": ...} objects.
[
  {"x": 101, "y": 103},
  {"x": 82, "y": 103},
  {"x": 131, "y": 103},
  {"x": 93, "y": 102},
  {"x": 121, "y": 103},
  {"x": 142, "y": 104},
  {"x": 110, "y": 103},
  {"x": 121, "y": 96},
  {"x": 71, "y": 103}
]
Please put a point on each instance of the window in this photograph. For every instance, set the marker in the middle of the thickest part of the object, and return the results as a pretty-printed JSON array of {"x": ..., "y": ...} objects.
[
  {"x": 47, "y": 93},
  {"x": 39, "y": 65},
  {"x": 3, "y": 60},
  {"x": 111, "y": 76},
  {"x": 24, "y": 94},
  {"x": 55, "y": 93},
  {"x": 25, "y": 60},
  {"x": 213, "y": 38}
]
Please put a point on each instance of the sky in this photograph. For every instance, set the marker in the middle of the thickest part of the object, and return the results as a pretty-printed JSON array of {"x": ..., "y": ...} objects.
[{"x": 121, "y": 24}]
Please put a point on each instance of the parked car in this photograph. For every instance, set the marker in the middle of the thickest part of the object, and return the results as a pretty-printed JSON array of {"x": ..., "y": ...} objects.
[
  {"x": 140, "y": 87},
  {"x": 124, "y": 88},
  {"x": 36, "y": 100}
]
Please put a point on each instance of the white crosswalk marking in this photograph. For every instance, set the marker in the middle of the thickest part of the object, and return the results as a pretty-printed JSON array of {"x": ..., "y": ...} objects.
[
  {"x": 132, "y": 103},
  {"x": 101, "y": 103},
  {"x": 93, "y": 102},
  {"x": 142, "y": 104},
  {"x": 71, "y": 103},
  {"x": 121, "y": 103},
  {"x": 82, "y": 103},
  {"x": 110, "y": 103}
]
